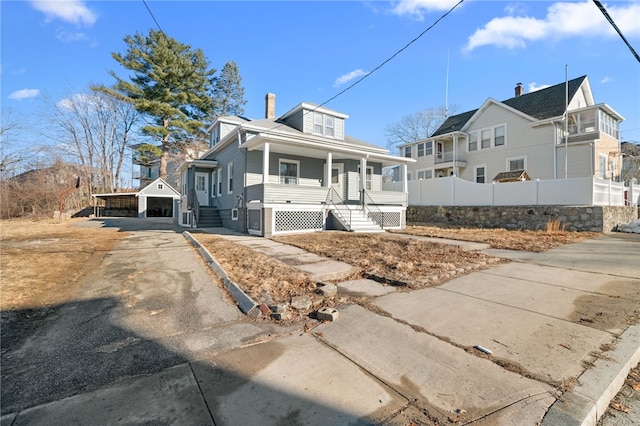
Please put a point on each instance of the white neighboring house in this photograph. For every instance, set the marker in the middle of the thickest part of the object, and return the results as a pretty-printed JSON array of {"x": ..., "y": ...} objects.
[
  {"x": 524, "y": 133},
  {"x": 292, "y": 173}
]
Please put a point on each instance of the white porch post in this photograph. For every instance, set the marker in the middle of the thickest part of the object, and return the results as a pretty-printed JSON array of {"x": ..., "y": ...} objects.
[
  {"x": 405, "y": 184},
  {"x": 455, "y": 148},
  {"x": 265, "y": 163},
  {"x": 327, "y": 173},
  {"x": 363, "y": 172}
]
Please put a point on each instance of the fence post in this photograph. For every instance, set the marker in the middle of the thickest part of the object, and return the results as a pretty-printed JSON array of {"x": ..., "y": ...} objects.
[
  {"x": 493, "y": 193},
  {"x": 537, "y": 192},
  {"x": 609, "y": 190}
]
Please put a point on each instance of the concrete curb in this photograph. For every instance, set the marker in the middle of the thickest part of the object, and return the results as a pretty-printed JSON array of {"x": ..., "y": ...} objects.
[
  {"x": 599, "y": 385},
  {"x": 245, "y": 303}
]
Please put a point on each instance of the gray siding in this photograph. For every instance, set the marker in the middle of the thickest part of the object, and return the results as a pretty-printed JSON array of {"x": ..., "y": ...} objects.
[
  {"x": 231, "y": 153},
  {"x": 298, "y": 120}
]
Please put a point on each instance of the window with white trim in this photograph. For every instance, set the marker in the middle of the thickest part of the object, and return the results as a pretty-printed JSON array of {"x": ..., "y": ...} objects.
[
  {"x": 421, "y": 150},
  {"x": 324, "y": 125},
  {"x": 428, "y": 148},
  {"x": 234, "y": 214},
  {"x": 519, "y": 163},
  {"x": 407, "y": 151},
  {"x": 160, "y": 186},
  {"x": 480, "y": 174},
  {"x": 215, "y": 135},
  {"x": 499, "y": 136},
  {"x": 602, "y": 166},
  {"x": 289, "y": 171},
  {"x": 230, "y": 178},
  {"x": 219, "y": 180},
  {"x": 473, "y": 142},
  {"x": 425, "y": 174},
  {"x": 485, "y": 139},
  {"x": 409, "y": 176}
]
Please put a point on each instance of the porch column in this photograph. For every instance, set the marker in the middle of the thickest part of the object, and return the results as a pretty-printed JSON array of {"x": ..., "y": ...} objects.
[
  {"x": 455, "y": 149},
  {"x": 403, "y": 175},
  {"x": 327, "y": 173},
  {"x": 265, "y": 163},
  {"x": 363, "y": 173}
]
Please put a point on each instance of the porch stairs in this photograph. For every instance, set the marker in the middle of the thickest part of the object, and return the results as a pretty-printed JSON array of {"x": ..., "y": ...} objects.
[
  {"x": 208, "y": 217},
  {"x": 355, "y": 219}
]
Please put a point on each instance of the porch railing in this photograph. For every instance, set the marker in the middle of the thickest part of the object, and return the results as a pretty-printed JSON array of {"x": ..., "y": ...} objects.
[
  {"x": 371, "y": 209},
  {"x": 195, "y": 206},
  {"x": 447, "y": 157},
  {"x": 342, "y": 212}
]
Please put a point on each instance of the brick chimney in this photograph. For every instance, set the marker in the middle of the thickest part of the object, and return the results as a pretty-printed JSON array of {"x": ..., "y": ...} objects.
[
  {"x": 519, "y": 89},
  {"x": 270, "y": 106}
]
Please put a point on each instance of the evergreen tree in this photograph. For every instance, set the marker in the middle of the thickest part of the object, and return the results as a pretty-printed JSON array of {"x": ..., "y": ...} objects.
[
  {"x": 228, "y": 91},
  {"x": 171, "y": 84}
]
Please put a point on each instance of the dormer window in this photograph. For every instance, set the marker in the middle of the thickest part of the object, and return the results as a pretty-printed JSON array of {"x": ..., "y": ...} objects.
[
  {"x": 323, "y": 125},
  {"x": 215, "y": 135}
]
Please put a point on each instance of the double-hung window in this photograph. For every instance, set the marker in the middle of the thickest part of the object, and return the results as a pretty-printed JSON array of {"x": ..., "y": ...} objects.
[
  {"x": 480, "y": 174},
  {"x": 425, "y": 174},
  {"x": 219, "y": 181},
  {"x": 485, "y": 139},
  {"x": 428, "y": 148},
  {"x": 514, "y": 164},
  {"x": 421, "y": 150},
  {"x": 289, "y": 172},
  {"x": 230, "y": 178},
  {"x": 407, "y": 151},
  {"x": 324, "y": 125},
  {"x": 499, "y": 138},
  {"x": 473, "y": 141}
]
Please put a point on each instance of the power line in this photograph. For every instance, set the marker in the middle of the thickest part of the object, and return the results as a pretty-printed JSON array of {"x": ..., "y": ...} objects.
[
  {"x": 394, "y": 55},
  {"x": 153, "y": 17},
  {"x": 613, "y": 24}
]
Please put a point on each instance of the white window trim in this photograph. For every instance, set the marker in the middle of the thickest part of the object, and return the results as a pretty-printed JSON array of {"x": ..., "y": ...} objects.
[
  {"x": 286, "y": 160},
  {"x": 418, "y": 149},
  {"x": 409, "y": 176},
  {"x": 219, "y": 182},
  {"x": 234, "y": 214},
  {"x": 521, "y": 157},
  {"x": 425, "y": 148},
  {"x": 424, "y": 171},
  {"x": 505, "y": 135},
  {"x": 368, "y": 173},
  {"x": 324, "y": 118},
  {"x": 475, "y": 172},
  {"x": 475, "y": 132},
  {"x": 404, "y": 151},
  {"x": 230, "y": 177}
]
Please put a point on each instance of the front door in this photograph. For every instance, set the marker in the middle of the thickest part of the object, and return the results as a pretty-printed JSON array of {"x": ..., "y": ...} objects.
[
  {"x": 337, "y": 176},
  {"x": 202, "y": 188}
]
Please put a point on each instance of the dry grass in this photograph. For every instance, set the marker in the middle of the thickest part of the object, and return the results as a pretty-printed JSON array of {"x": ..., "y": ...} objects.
[
  {"x": 535, "y": 241},
  {"x": 42, "y": 261}
]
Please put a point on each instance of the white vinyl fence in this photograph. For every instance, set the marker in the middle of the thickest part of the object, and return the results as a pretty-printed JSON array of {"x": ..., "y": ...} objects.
[{"x": 453, "y": 191}]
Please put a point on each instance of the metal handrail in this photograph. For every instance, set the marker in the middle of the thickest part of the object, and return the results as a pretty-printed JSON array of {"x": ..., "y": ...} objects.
[
  {"x": 367, "y": 203},
  {"x": 195, "y": 206},
  {"x": 330, "y": 201}
]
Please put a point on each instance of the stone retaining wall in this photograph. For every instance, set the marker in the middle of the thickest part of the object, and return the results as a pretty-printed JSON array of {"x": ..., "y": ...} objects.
[{"x": 572, "y": 218}]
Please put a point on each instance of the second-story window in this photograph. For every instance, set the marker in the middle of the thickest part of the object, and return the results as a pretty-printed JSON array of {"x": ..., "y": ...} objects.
[
  {"x": 421, "y": 150},
  {"x": 215, "y": 135},
  {"x": 473, "y": 141},
  {"x": 485, "y": 139},
  {"x": 407, "y": 151},
  {"x": 428, "y": 148},
  {"x": 499, "y": 136},
  {"x": 324, "y": 125}
]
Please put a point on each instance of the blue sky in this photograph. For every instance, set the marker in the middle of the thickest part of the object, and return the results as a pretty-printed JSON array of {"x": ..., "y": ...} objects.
[{"x": 310, "y": 51}]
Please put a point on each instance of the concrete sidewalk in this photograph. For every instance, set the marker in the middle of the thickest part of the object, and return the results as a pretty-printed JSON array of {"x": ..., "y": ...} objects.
[{"x": 556, "y": 333}]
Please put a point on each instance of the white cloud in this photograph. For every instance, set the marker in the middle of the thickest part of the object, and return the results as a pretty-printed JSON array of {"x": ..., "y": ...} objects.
[
  {"x": 606, "y": 80},
  {"x": 68, "y": 37},
  {"x": 75, "y": 101},
  {"x": 533, "y": 87},
  {"x": 348, "y": 77},
  {"x": 416, "y": 8},
  {"x": 24, "y": 94},
  {"x": 72, "y": 11},
  {"x": 563, "y": 20}
]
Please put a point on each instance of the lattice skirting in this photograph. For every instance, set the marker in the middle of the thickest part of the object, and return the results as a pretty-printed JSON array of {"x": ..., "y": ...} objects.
[
  {"x": 297, "y": 220},
  {"x": 391, "y": 219}
]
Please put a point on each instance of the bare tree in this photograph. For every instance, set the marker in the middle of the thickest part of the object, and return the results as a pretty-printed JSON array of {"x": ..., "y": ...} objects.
[
  {"x": 631, "y": 166},
  {"x": 10, "y": 156},
  {"x": 417, "y": 126},
  {"x": 96, "y": 128}
]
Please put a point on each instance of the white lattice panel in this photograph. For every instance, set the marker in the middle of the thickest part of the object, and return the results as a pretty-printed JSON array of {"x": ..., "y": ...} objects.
[{"x": 391, "y": 219}]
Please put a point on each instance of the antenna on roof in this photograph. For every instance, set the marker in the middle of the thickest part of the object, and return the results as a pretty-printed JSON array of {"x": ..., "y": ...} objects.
[{"x": 446, "y": 90}]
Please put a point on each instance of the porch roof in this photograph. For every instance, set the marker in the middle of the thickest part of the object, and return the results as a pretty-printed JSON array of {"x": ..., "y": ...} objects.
[
  {"x": 307, "y": 147},
  {"x": 204, "y": 164}
]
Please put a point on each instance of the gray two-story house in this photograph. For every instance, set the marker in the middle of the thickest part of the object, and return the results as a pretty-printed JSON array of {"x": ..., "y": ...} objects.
[{"x": 293, "y": 173}]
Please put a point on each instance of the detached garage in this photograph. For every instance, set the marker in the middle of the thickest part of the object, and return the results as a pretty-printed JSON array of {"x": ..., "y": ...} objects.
[{"x": 158, "y": 199}]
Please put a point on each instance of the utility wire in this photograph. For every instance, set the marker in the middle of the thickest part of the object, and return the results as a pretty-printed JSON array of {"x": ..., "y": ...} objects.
[
  {"x": 154, "y": 18},
  {"x": 394, "y": 55},
  {"x": 613, "y": 24}
]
